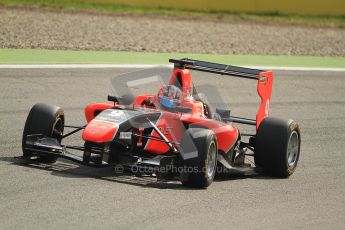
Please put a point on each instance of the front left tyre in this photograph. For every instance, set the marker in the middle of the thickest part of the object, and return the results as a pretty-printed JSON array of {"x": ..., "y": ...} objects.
[
  {"x": 47, "y": 120},
  {"x": 200, "y": 147}
]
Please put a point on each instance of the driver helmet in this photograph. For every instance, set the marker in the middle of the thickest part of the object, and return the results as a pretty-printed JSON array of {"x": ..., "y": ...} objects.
[{"x": 170, "y": 96}]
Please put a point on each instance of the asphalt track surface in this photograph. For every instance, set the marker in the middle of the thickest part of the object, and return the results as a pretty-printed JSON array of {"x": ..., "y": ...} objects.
[{"x": 68, "y": 196}]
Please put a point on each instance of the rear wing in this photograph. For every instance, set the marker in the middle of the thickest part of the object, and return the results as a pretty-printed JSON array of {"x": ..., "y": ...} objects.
[{"x": 264, "y": 82}]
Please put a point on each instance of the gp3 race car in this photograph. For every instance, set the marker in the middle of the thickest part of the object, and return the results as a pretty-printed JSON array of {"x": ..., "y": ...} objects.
[{"x": 172, "y": 134}]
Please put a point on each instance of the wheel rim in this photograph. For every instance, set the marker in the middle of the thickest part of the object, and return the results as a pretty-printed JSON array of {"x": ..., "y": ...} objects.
[
  {"x": 293, "y": 148},
  {"x": 57, "y": 131},
  {"x": 211, "y": 159}
]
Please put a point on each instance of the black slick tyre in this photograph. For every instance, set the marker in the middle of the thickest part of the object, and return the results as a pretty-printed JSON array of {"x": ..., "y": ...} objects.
[
  {"x": 277, "y": 146},
  {"x": 47, "y": 120},
  {"x": 200, "y": 149}
]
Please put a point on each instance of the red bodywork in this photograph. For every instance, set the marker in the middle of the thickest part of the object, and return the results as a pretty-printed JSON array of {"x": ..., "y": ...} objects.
[
  {"x": 171, "y": 124},
  {"x": 265, "y": 83}
]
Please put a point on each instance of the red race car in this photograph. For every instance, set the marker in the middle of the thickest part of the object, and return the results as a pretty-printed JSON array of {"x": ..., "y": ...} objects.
[{"x": 171, "y": 134}]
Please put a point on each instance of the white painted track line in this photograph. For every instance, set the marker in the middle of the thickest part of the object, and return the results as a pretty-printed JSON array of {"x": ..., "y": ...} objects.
[
  {"x": 139, "y": 66},
  {"x": 76, "y": 66}
]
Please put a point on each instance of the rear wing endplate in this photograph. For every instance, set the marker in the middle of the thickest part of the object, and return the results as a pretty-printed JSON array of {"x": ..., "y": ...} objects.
[{"x": 264, "y": 79}]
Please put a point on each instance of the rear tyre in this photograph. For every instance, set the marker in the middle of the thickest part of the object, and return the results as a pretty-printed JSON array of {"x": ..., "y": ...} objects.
[
  {"x": 277, "y": 146},
  {"x": 200, "y": 150},
  {"x": 43, "y": 119}
]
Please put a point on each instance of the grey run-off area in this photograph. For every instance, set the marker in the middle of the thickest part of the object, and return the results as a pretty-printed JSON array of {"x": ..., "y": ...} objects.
[
  {"x": 76, "y": 30},
  {"x": 69, "y": 196}
]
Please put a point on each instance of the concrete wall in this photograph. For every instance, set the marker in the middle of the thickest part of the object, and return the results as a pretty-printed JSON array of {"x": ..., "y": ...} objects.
[{"x": 303, "y": 7}]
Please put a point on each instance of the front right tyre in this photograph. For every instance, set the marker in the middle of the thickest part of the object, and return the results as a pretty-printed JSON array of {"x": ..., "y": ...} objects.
[{"x": 47, "y": 120}]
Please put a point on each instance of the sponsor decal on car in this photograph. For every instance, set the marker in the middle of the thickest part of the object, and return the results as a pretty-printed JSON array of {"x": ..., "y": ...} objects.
[
  {"x": 263, "y": 79},
  {"x": 125, "y": 135}
]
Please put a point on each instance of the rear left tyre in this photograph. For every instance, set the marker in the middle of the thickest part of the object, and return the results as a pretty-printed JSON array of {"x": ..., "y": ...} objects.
[{"x": 43, "y": 119}]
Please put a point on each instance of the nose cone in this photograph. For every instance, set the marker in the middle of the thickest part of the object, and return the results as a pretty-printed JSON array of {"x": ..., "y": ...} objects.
[{"x": 100, "y": 131}]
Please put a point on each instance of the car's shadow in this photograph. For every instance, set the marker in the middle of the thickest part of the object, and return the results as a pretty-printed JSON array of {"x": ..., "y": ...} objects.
[{"x": 65, "y": 168}]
